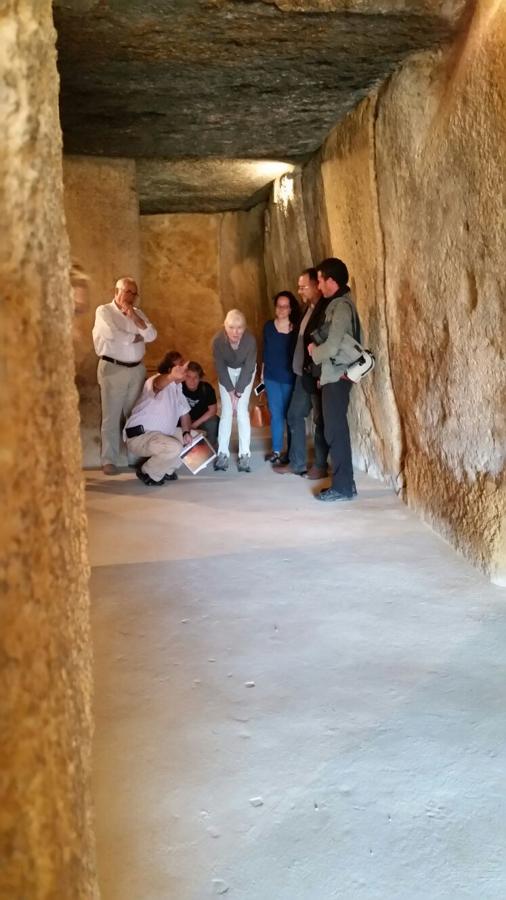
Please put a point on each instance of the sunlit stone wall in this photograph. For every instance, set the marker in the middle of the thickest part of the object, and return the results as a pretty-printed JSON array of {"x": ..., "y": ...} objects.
[
  {"x": 194, "y": 269},
  {"x": 46, "y": 842},
  {"x": 409, "y": 191},
  {"x": 102, "y": 217}
]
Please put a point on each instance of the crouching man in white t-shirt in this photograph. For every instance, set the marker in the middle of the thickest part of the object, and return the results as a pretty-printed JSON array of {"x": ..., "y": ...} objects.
[{"x": 151, "y": 431}]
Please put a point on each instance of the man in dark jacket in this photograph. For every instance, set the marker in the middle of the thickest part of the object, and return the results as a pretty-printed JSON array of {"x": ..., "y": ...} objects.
[
  {"x": 306, "y": 393},
  {"x": 326, "y": 350}
]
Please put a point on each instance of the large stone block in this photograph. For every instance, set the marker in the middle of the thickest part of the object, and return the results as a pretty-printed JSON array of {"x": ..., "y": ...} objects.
[
  {"x": 195, "y": 267},
  {"x": 102, "y": 215},
  {"x": 287, "y": 245},
  {"x": 409, "y": 191},
  {"x": 242, "y": 272},
  {"x": 46, "y": 840},
  {"x": 180, "y": 276},
  {"x": 441, "y": 158}
]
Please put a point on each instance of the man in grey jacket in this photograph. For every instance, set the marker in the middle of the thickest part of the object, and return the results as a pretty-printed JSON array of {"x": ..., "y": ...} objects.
[{"x": 340, "y": 318}]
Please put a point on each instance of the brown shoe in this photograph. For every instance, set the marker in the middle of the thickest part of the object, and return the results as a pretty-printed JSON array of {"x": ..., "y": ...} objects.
[
  {"x": 110, "y": 469},
  {"x": 316, "y": 474},
  {"x": 287, "y": 470}
]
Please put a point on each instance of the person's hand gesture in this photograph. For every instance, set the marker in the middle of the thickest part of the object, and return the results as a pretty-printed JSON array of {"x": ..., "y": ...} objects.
[{"x": 178, "y": 372}]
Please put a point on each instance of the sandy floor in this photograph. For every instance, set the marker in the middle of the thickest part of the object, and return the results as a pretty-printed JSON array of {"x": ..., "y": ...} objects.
[{"x": 294, "y": 700}]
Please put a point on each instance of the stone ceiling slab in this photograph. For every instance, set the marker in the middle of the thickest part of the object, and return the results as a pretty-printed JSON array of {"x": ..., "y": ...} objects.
[
  {"x": 205, "y": 185},
  {"x": 227, "y": 79}
]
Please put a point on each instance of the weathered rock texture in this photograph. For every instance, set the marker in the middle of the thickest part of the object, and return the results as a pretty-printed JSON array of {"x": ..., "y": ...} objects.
[
  {"x": 205, "y": 185},
  {"x": 102, "y": 215},
  {"x": 409, "y": 190},
  {"x": 46, "y": 845},
  {"x": 253, "y": 80},
  {"x": 194, "y": 269}
]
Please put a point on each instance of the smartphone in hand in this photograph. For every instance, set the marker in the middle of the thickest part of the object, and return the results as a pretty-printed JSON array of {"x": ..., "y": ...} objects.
[{"x": 260, "y": 388}]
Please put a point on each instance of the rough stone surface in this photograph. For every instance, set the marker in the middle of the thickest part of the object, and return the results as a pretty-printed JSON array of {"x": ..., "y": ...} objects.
[
  {"x": 205, "y": 185},
  {"x": 180, "y": 278},
  {"x": 226, "y": 79},
  {"x": 46, "y": 843},
  {"x": 413, "y": 191},
  {"x": 194, "y": 269},
  {"x": 242, "y": 273},
  {"x": 102, "y": 216},
  {"x": 441, "y": 159},
  {"x": 349, "y": 187},
  {"x": 286, "y": 237}
]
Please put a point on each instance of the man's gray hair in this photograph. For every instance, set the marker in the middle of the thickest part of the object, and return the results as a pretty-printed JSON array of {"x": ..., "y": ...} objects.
[{"x": 124, "y": 280}]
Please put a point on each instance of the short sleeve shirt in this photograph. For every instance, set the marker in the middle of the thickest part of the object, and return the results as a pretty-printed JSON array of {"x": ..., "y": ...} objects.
[
  {"x": 200, "y": 400},
  {"x": 161, "y": 411}
]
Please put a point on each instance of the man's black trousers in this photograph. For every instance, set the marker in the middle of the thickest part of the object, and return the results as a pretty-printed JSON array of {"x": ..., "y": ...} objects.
[{"x": 336, "y": 397}]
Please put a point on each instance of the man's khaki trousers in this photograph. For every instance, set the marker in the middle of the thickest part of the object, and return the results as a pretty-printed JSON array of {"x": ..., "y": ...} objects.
[
  {"x": 120, "y": 387},
  {"x": 163, "y": 451}
]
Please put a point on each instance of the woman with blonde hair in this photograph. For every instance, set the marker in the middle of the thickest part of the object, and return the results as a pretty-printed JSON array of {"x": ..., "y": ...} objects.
[{"x": 235, "y": 359}]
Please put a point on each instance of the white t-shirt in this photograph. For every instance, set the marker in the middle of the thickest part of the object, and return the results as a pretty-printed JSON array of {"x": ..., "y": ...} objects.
[{"x": 161, "y": 411}]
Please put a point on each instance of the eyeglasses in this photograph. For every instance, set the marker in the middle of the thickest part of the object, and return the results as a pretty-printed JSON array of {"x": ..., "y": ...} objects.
[{"x": 279, "y": 306}]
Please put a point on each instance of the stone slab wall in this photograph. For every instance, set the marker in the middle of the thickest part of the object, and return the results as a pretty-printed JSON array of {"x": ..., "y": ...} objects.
[
  {"x": 195, "y": 267},
  {"x": 46, "y": 842},
  {"x": 102, "y": 215},
  {"x": 286, "y": 235},
  {"x": 409, "y": 190},
  {"x": 441, "y": 161}
]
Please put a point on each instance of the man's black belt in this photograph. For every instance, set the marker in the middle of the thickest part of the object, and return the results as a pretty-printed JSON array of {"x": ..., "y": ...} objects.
[{"x": 118, "y": 362}]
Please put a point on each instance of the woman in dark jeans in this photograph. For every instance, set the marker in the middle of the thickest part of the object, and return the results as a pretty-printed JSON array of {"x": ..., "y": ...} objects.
[{"x": 279, "y": 337}]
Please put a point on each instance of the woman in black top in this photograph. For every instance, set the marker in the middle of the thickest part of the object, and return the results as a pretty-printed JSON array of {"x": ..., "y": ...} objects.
[{"x": 279, "y": 338}]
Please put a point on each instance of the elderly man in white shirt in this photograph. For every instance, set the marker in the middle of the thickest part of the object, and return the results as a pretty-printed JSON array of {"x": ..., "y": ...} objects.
[
  {"x": 152, "y": 430},
  {"x": 120, "y": 333}
]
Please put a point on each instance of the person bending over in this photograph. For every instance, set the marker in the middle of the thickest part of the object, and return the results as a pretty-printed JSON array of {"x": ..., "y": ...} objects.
[
  {"x": 152, "y": 429},
  {"x": 201, "y": 399},
  {"x": 235, "y": 358}
]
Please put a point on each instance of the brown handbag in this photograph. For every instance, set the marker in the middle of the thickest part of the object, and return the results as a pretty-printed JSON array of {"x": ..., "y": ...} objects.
[{"x": 260, "y": 415}]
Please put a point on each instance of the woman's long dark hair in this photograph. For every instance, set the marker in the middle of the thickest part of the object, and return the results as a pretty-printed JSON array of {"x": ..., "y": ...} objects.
[{"x": 294, "y": 307}]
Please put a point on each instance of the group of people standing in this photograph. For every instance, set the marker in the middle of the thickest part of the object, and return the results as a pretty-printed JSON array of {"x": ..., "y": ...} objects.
[{"x": 301, "y": 370}]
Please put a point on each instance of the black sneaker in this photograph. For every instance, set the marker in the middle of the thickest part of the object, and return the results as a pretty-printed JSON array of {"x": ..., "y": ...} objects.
[
  {"x": 172, "y": 477},
  {"x": 146, "y": 479},
  {"x": 274, "y": 458},
  {"x": 329, "y": 495}
]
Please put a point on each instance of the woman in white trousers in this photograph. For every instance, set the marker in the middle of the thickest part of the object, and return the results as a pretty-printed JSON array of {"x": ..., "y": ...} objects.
[{"x": 235, "y": 359}]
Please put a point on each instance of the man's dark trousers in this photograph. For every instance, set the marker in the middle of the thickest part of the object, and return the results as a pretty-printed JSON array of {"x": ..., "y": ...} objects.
[
  {"x": 298, "y": 411},
  {"x": 336, "y": 397}
]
